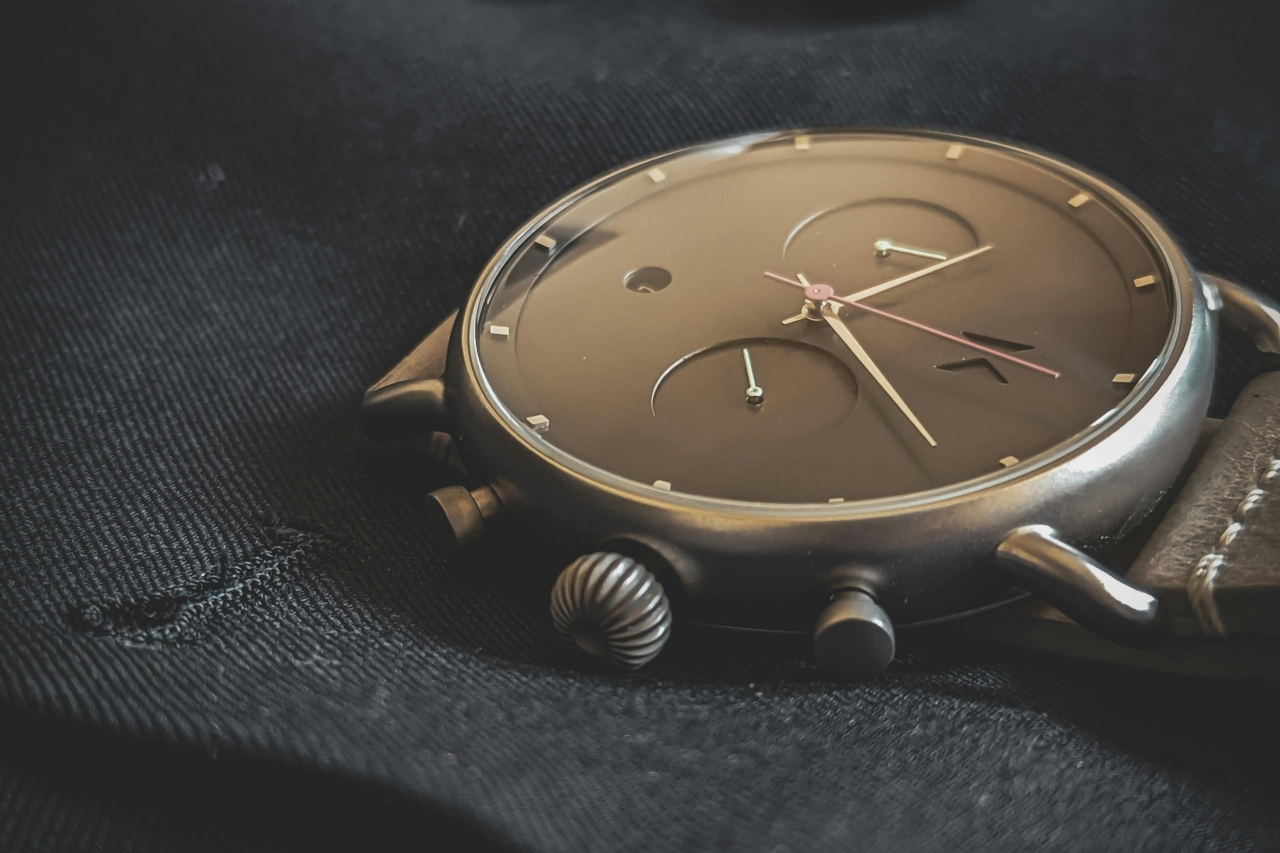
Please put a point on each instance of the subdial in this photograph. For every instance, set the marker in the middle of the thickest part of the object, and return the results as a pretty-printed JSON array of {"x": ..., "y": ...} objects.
[
  {"x": 796, "y": 392},
  {"x": 869, "y": 241}
]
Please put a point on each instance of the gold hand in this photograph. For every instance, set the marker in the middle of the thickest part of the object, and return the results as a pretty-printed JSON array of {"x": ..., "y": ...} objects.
[
  {"x": 881, "y": 288},
  {"x": 842, "y": 331}
]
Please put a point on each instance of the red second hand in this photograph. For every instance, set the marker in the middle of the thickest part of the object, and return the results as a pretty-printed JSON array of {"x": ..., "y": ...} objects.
[{"x": 830, "y": 296}]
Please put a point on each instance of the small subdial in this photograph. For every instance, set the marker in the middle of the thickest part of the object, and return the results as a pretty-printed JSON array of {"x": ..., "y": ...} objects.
[
  {"x": 872, "y": 240},
  {"x": 755, "y": 397}
]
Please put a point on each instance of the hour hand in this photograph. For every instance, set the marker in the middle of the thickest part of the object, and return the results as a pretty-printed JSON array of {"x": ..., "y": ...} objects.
[{"x": 861, "y": 355}]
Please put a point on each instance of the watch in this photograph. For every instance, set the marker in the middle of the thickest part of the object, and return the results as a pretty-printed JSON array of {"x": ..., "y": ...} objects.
[{"x": 843, "y": 383}]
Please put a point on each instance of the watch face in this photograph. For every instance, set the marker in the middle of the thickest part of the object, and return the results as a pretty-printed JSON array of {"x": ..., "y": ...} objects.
[{"x": 823, "y": 318}]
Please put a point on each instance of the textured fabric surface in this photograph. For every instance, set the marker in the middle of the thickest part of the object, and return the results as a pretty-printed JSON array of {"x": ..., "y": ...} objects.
[{"x": 223, "y": 622}]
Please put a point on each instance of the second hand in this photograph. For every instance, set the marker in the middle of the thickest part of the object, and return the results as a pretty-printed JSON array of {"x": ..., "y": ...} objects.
[{"x": 829, "y": 296}]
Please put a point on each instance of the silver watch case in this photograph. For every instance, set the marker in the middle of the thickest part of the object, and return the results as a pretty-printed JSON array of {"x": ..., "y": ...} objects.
[{"x": 924, "y": 557}]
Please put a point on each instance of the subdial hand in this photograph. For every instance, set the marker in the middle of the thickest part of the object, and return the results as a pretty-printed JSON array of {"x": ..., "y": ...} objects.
[
  {"x": 755, "y": 394},
  {"x": 819, "y": 293},
  {"x": 912, "y": 276},
  {"x": 884, "y": 248}
]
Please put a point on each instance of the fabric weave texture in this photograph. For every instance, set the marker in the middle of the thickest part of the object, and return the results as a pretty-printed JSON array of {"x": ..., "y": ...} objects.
[{"x": 223, "y": 621}]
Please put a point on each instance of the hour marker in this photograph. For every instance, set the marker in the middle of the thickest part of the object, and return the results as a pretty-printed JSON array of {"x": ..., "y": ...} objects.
[
  {"x": 539, "y": 421},
  {"x": 1144, "y": 281},
  {"x": 835, "y": 500},
  {"x": 656, "y": 175},
  {"x": 1123, "y": 378},
  {"x": 662, "y": 484},
  {"x": 546, "y": 242},
  {"x": 802, "y": 143},
  {"x": 1078, "y": 200},
  {"x": 500, "y": 331},
  {"x": 1009, "y": 461},
  {"x": 954, "y": 152}
]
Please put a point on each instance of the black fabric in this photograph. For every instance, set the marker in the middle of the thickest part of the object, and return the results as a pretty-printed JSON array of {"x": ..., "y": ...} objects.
[{"x": 219, "y": 221}]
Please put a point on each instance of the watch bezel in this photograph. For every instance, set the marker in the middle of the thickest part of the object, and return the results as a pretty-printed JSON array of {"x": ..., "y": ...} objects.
[
  {"x": 923, "y": 557},
  {"x": 1182, "y": 286}
]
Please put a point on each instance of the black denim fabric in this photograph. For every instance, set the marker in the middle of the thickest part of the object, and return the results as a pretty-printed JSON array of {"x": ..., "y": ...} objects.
[{"x": 223, "y": 622}]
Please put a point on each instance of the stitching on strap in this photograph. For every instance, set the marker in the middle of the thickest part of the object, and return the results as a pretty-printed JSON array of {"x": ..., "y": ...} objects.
[{"x": 1205, "y": 574}]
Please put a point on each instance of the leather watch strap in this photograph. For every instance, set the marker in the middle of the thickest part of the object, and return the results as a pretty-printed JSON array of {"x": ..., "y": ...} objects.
[{"x": 1214, "y": 560}]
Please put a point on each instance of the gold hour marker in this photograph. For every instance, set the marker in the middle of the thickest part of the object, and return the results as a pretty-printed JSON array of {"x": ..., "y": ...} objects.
[
  {"x": 656, "y": 175},
  {"x": 1123, "y": 378},
  {"x": 500, "y": 331},
  {"x": 662, "y": 484},
  {"x": 1009, "y": 461},
  {"x": 835, "y": 500},
  {"x": 539, "y": 422},
  {"x": 802, "y": 143},
  {"x": 954, "y": 152},
  {"x": 546, "y": 242},
  {"x": 1145, "y": 281},
  {"x": 1078, "y": 200}
]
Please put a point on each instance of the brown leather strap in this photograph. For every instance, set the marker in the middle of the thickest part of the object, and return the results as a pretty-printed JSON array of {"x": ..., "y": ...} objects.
[{"x": 1214, "y": 560}]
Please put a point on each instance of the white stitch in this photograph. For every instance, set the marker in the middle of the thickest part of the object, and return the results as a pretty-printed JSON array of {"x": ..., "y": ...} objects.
[
  {"x": 1200, "y": 593},
  {"x": 1249, "y": 501},
  {"x": 1200, "y": 583}
]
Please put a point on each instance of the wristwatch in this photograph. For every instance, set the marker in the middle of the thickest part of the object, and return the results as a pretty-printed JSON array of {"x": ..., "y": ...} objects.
[{"x": 846, "y": 382}]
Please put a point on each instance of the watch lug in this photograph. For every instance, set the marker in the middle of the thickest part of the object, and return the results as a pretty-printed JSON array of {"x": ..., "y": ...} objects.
[
  {"x": 404, "y": 410},
  {"x": 427, "y": 359},
  {"x": 410, "y": 399},
  {"x": 1083, "y": 589},
  {"x": 1252, "y": 313}
]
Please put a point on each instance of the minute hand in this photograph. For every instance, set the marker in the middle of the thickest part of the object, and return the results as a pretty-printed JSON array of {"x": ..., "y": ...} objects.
[
  {"x": 912, "y": 276},
  {"x": 861, "y": 354}
]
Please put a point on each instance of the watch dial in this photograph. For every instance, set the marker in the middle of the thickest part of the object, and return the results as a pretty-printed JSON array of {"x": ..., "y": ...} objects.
[{"x": 672, "y": 326}]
